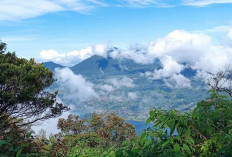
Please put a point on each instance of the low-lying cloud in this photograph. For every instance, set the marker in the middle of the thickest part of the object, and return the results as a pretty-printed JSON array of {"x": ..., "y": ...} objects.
[
  {"x": 169, "y": 68},
  {"x": 79, "y": 90},
  {"x": 121, "y": 82},
  {"x": 76, "y": 86}
]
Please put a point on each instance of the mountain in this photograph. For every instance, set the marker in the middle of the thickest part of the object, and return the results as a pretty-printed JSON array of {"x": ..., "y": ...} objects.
[
  {"x": 52, "y": 66},
  {"x": 97, "y": 67},
  {"x": 130, "y": 93}
]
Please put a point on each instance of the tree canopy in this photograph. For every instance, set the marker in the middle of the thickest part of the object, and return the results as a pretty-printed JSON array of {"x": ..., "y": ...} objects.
[{"x": 23, "y": 90}]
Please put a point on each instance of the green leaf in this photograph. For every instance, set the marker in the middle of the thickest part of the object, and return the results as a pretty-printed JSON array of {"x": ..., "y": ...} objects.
[
  {"x": 172, "y": 127},
  {"x": 179, "y": 130},
  {"x": 186, "y": 148},
  {"x": 176, "y": 148},
  {"x": 148, "y": 120},
  {"x": 165, "y": 143},
  {"x": 19, "y": 153},
  {"x": 3, "y": 142},
  {"x": 130, "y": 153},
  {"x": 143, "y": 137},
  {"x": 187, "y": 132}
]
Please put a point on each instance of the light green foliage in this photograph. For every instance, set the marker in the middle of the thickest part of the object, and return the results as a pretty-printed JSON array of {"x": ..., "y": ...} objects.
[{"x": 205, "y": 131}]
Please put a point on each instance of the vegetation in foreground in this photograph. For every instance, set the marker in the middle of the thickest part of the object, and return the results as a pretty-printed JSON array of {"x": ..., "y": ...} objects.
[{"x": 204, "y": 131}]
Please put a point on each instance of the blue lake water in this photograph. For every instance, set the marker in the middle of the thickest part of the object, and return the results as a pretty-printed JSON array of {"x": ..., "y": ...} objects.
[{"x": 139, "y": 125}]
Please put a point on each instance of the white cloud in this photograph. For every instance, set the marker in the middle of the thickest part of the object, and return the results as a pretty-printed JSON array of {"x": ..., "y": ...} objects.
[
  {"x": 23, "y": 9},
  {"x": 107, "y": 88},
  {"x": 76, "y": 86},
  {"x": 50, "y": 54},
  {"x": 139, "y": 3},
  {"x": 181, "y": 45},
  {"x": 202, "y": 3},
  {"x": 100, "y": 49},
  {"x": 170, "y": 3},
  {"x": 170, "y": 73},
  {"x": 73, "y": 57},
  {"x": 230, "y": 34},
  {"x": 218, "y": 29},
  {"x": 180, "y": 81},
  {"x": 195, "y": 49},
  {"x": 82, "y": 54},
  {"x": 170, "y": 67},
  {"x": 132, "y": 95},
  {"x": 121, "y": 82}
]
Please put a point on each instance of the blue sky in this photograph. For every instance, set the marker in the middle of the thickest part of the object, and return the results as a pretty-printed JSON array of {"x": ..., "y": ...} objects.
[{"x": 28, "y": 27}]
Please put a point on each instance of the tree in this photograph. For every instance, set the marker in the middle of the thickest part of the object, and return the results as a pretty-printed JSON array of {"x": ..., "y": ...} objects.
[
  {"x": 2, "y": 47},
  {"x": 222, "y": 81},
  {"x": 23, "y": 91},
  {"x": 97, "y": 135}
]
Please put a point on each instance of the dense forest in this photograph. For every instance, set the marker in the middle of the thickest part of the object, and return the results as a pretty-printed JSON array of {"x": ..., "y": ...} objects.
[{"x": 24, "y": 101}]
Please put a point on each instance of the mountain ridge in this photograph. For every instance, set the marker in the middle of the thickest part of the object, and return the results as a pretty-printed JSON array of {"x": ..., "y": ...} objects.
[{"x": 147, "y": 93}]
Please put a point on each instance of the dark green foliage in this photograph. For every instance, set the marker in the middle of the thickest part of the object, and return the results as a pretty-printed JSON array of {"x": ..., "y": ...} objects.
[
  {"x": 23, "y": 91},
  {"x": 2, "y": 47},
  {"x": 24, "y": 100},
  {"x": 17, "y": 141}
]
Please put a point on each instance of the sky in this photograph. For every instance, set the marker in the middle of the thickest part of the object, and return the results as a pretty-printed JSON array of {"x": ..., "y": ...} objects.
[{"x": 48, "y": 28}]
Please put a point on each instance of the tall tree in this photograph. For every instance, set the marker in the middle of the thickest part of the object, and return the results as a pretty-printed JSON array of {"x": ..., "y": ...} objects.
[{"x": 23, "y": 90}]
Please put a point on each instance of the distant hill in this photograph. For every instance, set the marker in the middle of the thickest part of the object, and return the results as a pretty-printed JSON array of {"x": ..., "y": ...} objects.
[
  {"x": 52, "y": 65},
  {"x": 99, "y": 67}
]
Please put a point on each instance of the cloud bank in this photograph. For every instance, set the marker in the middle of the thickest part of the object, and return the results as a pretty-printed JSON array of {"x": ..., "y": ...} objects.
[
  {"x": 73, "y": 57},
  {"x": 176, "y": 51}
]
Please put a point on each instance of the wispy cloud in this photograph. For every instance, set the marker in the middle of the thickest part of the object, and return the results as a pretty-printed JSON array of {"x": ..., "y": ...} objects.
[
  {"x": 19, "y": 38},
  {"x": 217, "y": 29},
  {"x": 15, "y": 10},
  {"x": 147, "y": 3},
  {"x": 202, "y": 3},
  {"x": 170, "y": 3}
]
